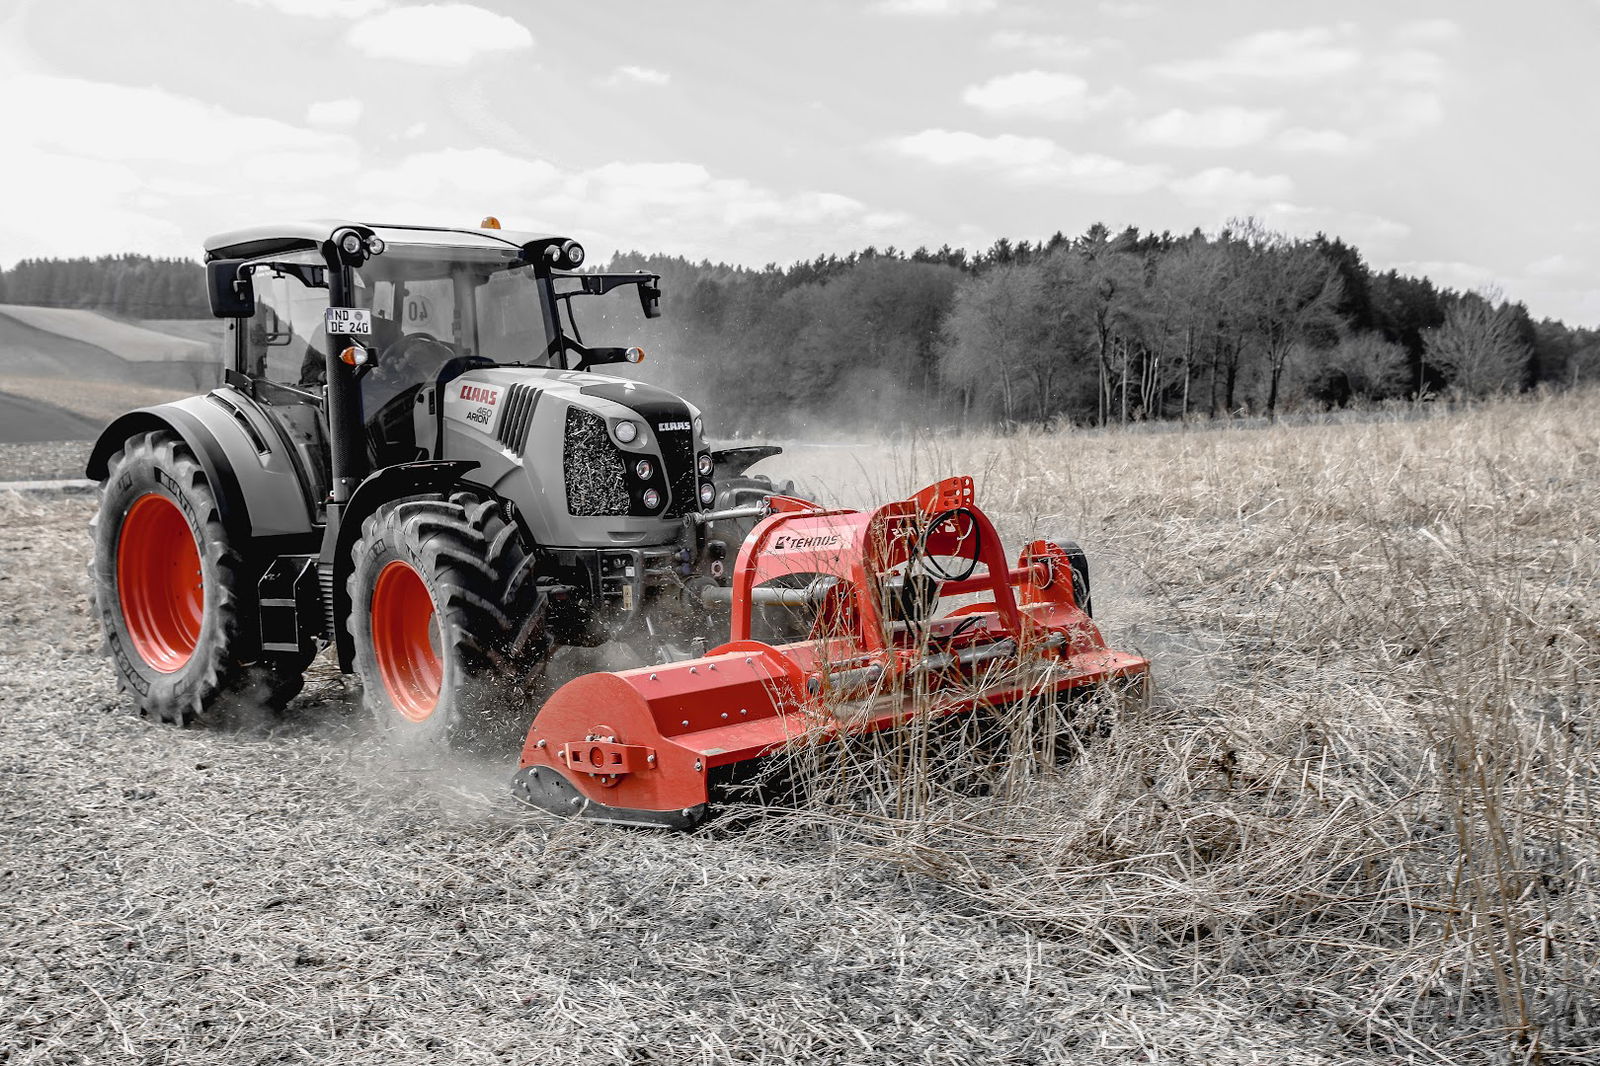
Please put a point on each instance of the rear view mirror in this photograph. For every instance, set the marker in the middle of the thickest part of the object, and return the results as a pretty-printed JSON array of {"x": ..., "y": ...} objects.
[
  {"x": 231, "y": 293},
  {"x": 650, "y": 300}
]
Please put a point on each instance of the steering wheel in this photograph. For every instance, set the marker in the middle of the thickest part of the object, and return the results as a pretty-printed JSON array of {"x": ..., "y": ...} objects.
[{"x": 394, "y": 363}]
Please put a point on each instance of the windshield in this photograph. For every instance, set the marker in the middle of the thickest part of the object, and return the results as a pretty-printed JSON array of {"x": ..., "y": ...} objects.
[
  {"x": 439, "y": 310},
  {"x": 478, "y": 302}
]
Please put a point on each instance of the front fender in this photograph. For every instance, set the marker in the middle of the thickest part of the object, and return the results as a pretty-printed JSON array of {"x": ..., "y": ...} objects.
[{"x": 390, "y": 483}]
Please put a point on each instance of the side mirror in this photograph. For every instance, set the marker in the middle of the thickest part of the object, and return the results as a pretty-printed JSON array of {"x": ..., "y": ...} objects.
[
  {"x": 650, "y": 300},
  {"x": 232, "y": 294}
]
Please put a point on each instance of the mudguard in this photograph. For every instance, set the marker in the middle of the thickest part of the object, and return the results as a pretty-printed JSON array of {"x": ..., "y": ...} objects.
[
  {"x": 391, "y": 483},
  {"x": 260, "y": 491}
]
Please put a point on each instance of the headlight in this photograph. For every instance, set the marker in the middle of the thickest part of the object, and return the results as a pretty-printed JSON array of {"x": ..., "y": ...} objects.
[
  {"x": 705, "y": 465},
  {"x": 375, "y": 245},
  {"x": 707, "y": 493},
  {"x": 350, "y": 242},
  {"x": 652, "y": 499},
  {"x": 699, "y": 425},
  {"x": 644, "y": 469},
  {"x": 626, "y": 432}
]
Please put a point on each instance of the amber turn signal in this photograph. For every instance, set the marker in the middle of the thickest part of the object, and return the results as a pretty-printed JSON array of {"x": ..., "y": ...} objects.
[
  {"x": 489, "y": 222},
  {"x": 355, "y": 355},
  {"x": 635, "y": 355}
]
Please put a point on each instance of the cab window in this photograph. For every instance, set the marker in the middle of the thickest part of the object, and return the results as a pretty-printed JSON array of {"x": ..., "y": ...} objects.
[{"x": 285, "y": 340}]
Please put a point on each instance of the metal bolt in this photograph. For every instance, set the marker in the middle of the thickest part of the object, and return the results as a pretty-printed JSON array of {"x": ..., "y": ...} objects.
[
  {"x": 713, "y": 666},
  {"x": 542, "y": 742},
  {"x": 694, "y": 669},
  {"x": 744, "y": 710},
  {"x": 697, "y": 765},
  {"x": 651, "y": 759},
  {"x": 724, "y": 714},
  {"x": 686, "y": 722},
  {"x": 653, "y": 677},
  {"x": 575, "y": 801},
  {"x": 748, "y": 660}
]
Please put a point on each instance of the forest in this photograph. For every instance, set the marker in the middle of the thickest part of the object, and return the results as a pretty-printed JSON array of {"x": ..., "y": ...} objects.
[
  {"x": 1098, "y": 329},
  {"x": 127, "y": 286}
]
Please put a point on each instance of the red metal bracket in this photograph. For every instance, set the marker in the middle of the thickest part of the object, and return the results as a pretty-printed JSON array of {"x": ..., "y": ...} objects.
[{"x": 607, "y": 758}]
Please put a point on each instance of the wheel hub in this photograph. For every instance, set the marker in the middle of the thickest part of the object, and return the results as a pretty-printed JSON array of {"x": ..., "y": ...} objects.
[
  {"x": 160, "y": 584},
  {"x": 406, "y": 641}
]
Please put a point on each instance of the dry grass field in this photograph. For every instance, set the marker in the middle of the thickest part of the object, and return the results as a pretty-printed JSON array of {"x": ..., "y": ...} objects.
[{"x": 1355, "y": 824}]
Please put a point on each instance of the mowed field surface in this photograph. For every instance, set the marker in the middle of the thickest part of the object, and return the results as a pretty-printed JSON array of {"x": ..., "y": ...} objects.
[{"x": 1355, "y": 824}]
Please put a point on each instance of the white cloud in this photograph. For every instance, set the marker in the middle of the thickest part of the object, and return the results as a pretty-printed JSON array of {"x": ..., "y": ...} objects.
[
  {"x": 1368, "y": 232},
  {"x": 437, "y": 34},
  {"x": 1414, "y": 66},
  {"x": 1450, "y": 273},
  {"x": 1212, "y": 127},
  {"x": 1236, "y": 190},
  {"x": 1057, "y": 46},
  {"x": 113, "y": 167},
  {"x": 1030, "y": 160},
  {"x": 1031, "y": 92},
  {"x": 1400, "y": 114},
  {"x": 631, "y": 75},
  {"x": 1558, "y": 265},
  {"x": 934, "y": 8},
  {"x": 1272, "y": 55},
  {"x": 1126, "y": 9},
  {"x": 321, "y": 9},
  {"x": 1424, "y": 31},
  {"x": 1319, "y": 142},
  {"x": 334, "y": 112}
]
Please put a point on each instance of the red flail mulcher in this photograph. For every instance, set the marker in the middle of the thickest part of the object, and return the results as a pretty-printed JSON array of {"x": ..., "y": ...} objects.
[{"x": 909, "y": 609}]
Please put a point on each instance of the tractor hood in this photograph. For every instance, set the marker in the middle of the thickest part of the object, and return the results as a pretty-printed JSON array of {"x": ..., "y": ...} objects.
[{"x": 621, "y": 454}]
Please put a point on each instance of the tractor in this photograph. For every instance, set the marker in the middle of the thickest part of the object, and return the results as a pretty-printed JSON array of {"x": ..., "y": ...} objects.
[{"x": 414, "y": 460}]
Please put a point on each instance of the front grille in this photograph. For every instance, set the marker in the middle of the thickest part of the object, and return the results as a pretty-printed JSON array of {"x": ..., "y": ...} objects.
[
  {"x": 517, "y": 416},
  {"x": 593, "y": 468},
  {"x": 677, "y": 458}
]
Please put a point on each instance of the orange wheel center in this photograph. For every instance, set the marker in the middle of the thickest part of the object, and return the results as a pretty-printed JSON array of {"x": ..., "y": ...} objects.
[
  {"x": 405, "y": 641},
  {"x": 160, "y": 585}
]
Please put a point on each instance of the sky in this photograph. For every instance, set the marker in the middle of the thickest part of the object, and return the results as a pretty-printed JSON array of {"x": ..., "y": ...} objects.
[{"x": 1456, "y": 140}]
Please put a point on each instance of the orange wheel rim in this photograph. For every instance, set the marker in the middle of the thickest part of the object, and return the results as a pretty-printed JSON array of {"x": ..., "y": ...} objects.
[
  {"x": 160, "y": 585},
  {"x": 405, "y": 641}
]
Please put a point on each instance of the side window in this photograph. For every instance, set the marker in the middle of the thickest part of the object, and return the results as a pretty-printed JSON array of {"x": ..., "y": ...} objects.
[{"x": 285, "y": 340}]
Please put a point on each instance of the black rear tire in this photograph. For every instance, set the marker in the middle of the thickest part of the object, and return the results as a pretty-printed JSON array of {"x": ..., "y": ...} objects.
[
  {"x": 179, "y": 671},
  {"x": 462, "y": 678}
]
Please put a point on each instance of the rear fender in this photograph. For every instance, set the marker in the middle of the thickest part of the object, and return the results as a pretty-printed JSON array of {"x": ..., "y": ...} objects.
[{"x": 260, "y": 492}]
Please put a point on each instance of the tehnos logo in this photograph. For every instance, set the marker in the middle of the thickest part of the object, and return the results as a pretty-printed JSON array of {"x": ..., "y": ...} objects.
[
  {"x": 821, "y": 542},
  {"x": 479, "y": 394}
]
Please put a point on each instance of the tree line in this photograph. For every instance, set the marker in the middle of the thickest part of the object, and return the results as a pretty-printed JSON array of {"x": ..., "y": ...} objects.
[
  {"x": 127, "y": 286},
  {"x": 1095, "y": 329}
]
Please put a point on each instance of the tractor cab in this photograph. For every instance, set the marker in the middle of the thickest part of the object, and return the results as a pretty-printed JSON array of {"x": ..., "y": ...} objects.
[{"x": 429, "y": 305}]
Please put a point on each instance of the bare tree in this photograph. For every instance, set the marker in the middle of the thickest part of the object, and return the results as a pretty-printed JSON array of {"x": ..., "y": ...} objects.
[
  {"x": 1478, "y": 348},
  {"x": 1294, "y": 294}
]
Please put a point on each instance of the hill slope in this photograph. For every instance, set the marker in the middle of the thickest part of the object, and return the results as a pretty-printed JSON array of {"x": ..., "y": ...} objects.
[{"x": 85, "y": 368}]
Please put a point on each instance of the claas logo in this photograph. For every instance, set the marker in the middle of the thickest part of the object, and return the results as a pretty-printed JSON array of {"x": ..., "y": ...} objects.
[{"x": 478, "y": 394}]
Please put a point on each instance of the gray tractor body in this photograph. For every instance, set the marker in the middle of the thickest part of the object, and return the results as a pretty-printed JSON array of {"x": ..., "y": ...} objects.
[{"x": 610, "y": 481}]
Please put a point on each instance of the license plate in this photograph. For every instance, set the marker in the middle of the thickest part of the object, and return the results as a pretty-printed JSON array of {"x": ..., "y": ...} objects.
[{"x": 348, "y": 321}]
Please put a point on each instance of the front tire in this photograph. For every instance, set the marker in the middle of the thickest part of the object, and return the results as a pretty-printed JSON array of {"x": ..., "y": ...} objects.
[
  {"x": 448, "y": 621},
  {"x": 171, "y": 590}
]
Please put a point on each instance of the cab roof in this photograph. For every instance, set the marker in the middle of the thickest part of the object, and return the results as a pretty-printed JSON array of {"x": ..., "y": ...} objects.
[{"x": 284, "y": 237}]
